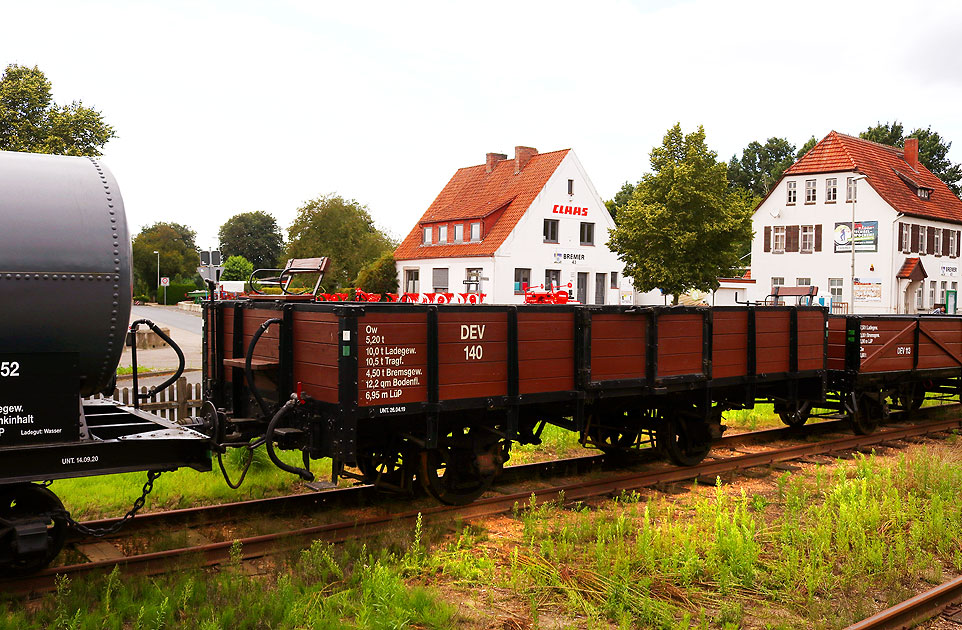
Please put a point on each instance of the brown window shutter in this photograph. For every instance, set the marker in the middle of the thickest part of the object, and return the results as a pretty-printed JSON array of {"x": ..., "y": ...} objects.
[
  {"x": 945, "y": 242},
  {"x": 818, "y": 237},
  {"x": 930, "y": 241},
  {"x": 791, "y": 238},
  {"x": 915, "y": 239},
  {"x": 901, "y": 236},
  {"x": 768, "y": 238}
]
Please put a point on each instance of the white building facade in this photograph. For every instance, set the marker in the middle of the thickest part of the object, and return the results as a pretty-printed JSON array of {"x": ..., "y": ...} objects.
[
  {"x": 906, "y": 230},
  {"x": 546, "y": 228}
]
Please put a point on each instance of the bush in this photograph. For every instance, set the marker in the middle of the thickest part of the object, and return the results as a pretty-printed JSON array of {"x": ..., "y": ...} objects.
[
  {"x": 380, "y": 276},
  {"x": 237, "y": 268},
  {"x": 176, "y": 292}
]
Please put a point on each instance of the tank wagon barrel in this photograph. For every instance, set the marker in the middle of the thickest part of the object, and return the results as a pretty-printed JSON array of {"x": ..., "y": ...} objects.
[{"x": 65, "y": 286}]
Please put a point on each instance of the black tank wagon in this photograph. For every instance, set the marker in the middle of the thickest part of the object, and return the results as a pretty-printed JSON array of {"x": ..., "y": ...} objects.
[
  {"x": 438, "y": 393},
  {"x": 65, "y": 291}
]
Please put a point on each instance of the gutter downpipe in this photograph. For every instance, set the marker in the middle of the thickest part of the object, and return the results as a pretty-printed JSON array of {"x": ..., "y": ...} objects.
[{"x": 895, "y": 296}]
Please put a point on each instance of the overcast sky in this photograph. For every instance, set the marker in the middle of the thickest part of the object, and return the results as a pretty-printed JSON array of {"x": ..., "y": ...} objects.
[{"x": 225, "y": 107}]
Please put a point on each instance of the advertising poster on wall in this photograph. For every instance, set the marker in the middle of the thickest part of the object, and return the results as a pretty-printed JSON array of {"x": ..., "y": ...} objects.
[
  {"x": 866, "y": 237},
  {"x": 868, "y": 290}
]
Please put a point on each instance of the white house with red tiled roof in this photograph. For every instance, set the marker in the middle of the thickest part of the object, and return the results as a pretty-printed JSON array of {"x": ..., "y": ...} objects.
[
  {"x": 907, "y": 229},
  {"x": 534, "y": 220}
]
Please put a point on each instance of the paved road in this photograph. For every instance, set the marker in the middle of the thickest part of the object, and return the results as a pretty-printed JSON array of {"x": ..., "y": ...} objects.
[{"x": 169, "y": 317}]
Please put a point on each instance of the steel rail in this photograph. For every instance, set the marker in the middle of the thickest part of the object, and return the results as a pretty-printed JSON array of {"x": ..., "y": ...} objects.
[
  {"x": 258, "y": 546},
  {"x": 364, "y": 494},
  {"x": 914, "y": 610}
]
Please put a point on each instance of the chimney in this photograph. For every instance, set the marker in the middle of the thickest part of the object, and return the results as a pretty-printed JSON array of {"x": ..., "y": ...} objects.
[
  {"x": 492, "y": 159},
  {"x": 523, "y": 155},
  {"x": 912, "y": 152}
]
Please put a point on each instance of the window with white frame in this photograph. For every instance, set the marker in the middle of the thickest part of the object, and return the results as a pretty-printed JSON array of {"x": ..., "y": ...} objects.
[
  {"x": 472, "y": 280},
  {"x": 807, "y": 244},
  {"x": 442, "y": 234},
  {"x": 792, "y": 193},
  {"x": 411, "y": 281},
  {"x": 809, "y": 191},
  {"x": 850, "y": 189},
  {"x": 932, "y": 293},
  {"x": 803, "y": 282},
  {"x": 458, "y": 232},
  {"x": 428, "y": 233},
  {"x": 778, "y": 281},
  {"x": 953, "y": 244},
  {"x": 614, "y": 279},
  {"x": 938, "y": 241},
  {"x": 831, "y": 189},
  {"x": 778, "y": 240},
  {"x": 942, "y": 287},
  {"x": 440, "y": 278},
  {"x": 476, "y": 231},
  {"x": 918, "y": 299},
  {"x": 906, "y": 238},
  {"x": 923, "y": 239},
  {"x": 835, "y": 288}
]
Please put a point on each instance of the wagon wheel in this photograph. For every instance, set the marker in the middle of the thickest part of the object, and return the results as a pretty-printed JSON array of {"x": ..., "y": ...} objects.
[
  {"x": 794, "y": 414},
  {"x": 30, "y": 501},
  {"x": 386, "y": 467},
  {"x": 461, "y": 468},
  {"x": 682, "y": 448},
  {"x": 910, "y": 396},
  {"x": 867, "y": 414}
]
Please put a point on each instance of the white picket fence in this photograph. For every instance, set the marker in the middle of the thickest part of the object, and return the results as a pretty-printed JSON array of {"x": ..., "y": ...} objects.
[{"x": 174, "y": 403}]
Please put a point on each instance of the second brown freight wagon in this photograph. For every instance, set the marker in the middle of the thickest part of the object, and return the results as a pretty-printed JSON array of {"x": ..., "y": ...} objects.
[{"x": 407, "y": 393}]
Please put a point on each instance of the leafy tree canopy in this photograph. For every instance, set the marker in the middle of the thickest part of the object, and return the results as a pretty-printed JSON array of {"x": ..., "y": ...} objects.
[
  {"x": 683, "y": 226},
  {"x": 809, "y": 144},
  {"x": 31, "y": 121},
  {"x": 254, "y": 236},
  {"x": 237, "y": 268},
  {"x": 761, "y": 165},
  {"x": 178, "y": 253},
  {"x": 379, "y": 276},
  {"x": 340, "y": 229},
  {"x": 933, "y": 150},
  {"x": 622, "y": 197}
]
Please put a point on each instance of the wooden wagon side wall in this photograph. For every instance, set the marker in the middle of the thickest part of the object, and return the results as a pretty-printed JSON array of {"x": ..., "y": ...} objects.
[
  {"x": 618, "y": 346},
  {"x": 729, "y": 343},
  {"x": 546, "y": 351}
]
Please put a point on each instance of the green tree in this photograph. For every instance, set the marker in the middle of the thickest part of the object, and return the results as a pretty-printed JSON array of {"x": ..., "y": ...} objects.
[
  {"x": 620, "y": 202},
  {"x": 340, "y": 229},
  {"x": 379, "y": 276},
  {"x": 683, "y": 226},
  {"x": 178, "y": 254},
  {"x": 31, "y": 121},
  {"x": 761, "y": 165},
  {"x": 237, "y": 268},
  {"x": 933, "y": 150},
  {"x": 253, "y": 235},
  {"x": 811, "y": 142}
]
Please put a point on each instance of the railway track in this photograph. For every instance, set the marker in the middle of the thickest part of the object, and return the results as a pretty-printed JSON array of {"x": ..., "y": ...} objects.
[
  {"x": 253, "y": 547},
  {"x": 945, "y": 600}
]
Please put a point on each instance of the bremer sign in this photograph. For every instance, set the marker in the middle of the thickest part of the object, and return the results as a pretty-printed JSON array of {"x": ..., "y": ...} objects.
[{"x": 574, "y": 210}]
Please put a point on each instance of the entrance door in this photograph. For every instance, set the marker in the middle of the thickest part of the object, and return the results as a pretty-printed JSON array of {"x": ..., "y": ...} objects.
[
  {"x": 583, "y": 287},
  {"x": 601, "y": 281}
]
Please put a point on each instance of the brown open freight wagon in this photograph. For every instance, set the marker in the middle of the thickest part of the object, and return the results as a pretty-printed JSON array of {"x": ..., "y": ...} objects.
[{"x": 438, "y": 393}]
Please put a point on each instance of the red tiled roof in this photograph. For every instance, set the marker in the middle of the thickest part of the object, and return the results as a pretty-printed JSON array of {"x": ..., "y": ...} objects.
[
  {"x": 474, "y": 193},
  {"x": 887, "y": 172},
  {"x": 912, "y": 269}
]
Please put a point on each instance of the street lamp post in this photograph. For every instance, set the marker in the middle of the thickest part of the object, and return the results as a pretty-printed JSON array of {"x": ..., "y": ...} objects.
[
  {"x": 158, "y": 270},
  {"x": 851, "y": 237}
]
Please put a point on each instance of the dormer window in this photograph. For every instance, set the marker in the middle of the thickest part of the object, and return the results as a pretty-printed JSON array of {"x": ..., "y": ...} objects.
[
  {"x": 428, "y": 234},
  {"x": 458, "y": 232},
  {"x": 924, "y": 193},
  {"x": 443, "y": 234}
]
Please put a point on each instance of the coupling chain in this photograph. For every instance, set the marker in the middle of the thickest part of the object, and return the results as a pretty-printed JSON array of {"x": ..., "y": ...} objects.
[{"x": 99, "y": 532}]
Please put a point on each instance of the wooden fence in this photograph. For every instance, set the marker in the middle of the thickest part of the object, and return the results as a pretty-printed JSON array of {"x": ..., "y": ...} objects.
[{"x": 174, "y": 403}]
